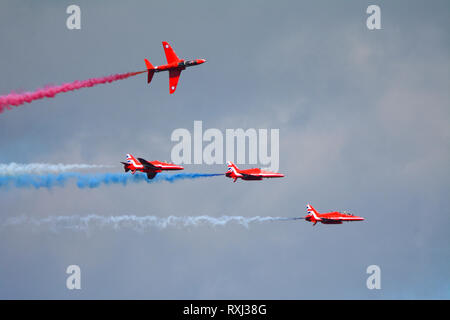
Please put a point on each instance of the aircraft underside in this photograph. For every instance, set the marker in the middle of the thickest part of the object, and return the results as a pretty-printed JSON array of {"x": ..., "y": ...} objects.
[
  {"x": 331, "y": 222},
  {"x": 252, "y": 178}
]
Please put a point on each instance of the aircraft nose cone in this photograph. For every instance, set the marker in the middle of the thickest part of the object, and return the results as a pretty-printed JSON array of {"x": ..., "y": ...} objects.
[{"x": 202, "y": 60}]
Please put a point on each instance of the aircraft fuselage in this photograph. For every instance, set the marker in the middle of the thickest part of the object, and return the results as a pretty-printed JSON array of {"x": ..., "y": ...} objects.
[{"x": 181, "y": 65}]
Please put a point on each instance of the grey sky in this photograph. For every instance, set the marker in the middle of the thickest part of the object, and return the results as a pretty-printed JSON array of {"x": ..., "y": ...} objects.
[{"x": 364, "y": 125}]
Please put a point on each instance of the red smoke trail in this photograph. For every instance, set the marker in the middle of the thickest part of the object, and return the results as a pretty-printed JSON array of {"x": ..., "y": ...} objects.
[{"x": 16, "y": 99}]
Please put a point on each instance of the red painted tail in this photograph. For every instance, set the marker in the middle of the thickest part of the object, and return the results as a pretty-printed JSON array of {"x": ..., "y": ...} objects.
[
  {"x": 150, "y": 70},
  {"x": 232, "y": 167}
]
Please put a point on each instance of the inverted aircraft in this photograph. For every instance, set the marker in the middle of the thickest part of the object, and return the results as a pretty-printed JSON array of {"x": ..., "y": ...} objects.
[
  {"x": 151, "y": 168},
  {"x": 174, "y": 65}
]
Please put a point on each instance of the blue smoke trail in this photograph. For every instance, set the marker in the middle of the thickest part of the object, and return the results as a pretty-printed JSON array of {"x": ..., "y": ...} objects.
[{"x": 83, "y": 181}]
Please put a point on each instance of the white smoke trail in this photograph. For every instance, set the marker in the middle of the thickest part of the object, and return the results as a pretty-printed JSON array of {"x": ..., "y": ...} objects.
[
  {"x": 138, "y": 223},
  {"x": 13, "y": 168}
]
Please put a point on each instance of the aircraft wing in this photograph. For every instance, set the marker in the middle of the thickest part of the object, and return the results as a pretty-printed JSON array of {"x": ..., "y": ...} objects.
[
  {"x": 341, "y": 219},
  {"x": 171, "y": 56},
  {"x": 147, "y": 164},
  {"x": 265, "y": 174},
  {"x": 330, "y": 219},
  {"x": 247, "y": 175},
  {"x": 174, "y": 76}
]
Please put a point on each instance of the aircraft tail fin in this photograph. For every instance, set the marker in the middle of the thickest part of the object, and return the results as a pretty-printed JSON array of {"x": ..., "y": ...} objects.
[
  {"x": 311, "y": 211},
  {"x": 231, "y": 165},
  {"x": 150, "y": 70},
  {"x": 132, "y": 160},
  {"x": 148, "y": 65}
]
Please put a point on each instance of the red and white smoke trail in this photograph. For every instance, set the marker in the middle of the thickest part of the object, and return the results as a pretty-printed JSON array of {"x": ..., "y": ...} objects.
[{"x": 17, "y": 99}]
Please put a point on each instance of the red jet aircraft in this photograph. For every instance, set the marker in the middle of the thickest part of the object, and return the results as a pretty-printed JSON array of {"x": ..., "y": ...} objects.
[
  {"x": 151, "y": 168},
  {"x": 249, "y": 174},
  {"x": 335, "y": 217},
  {"x": 174, "y": 65}
]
